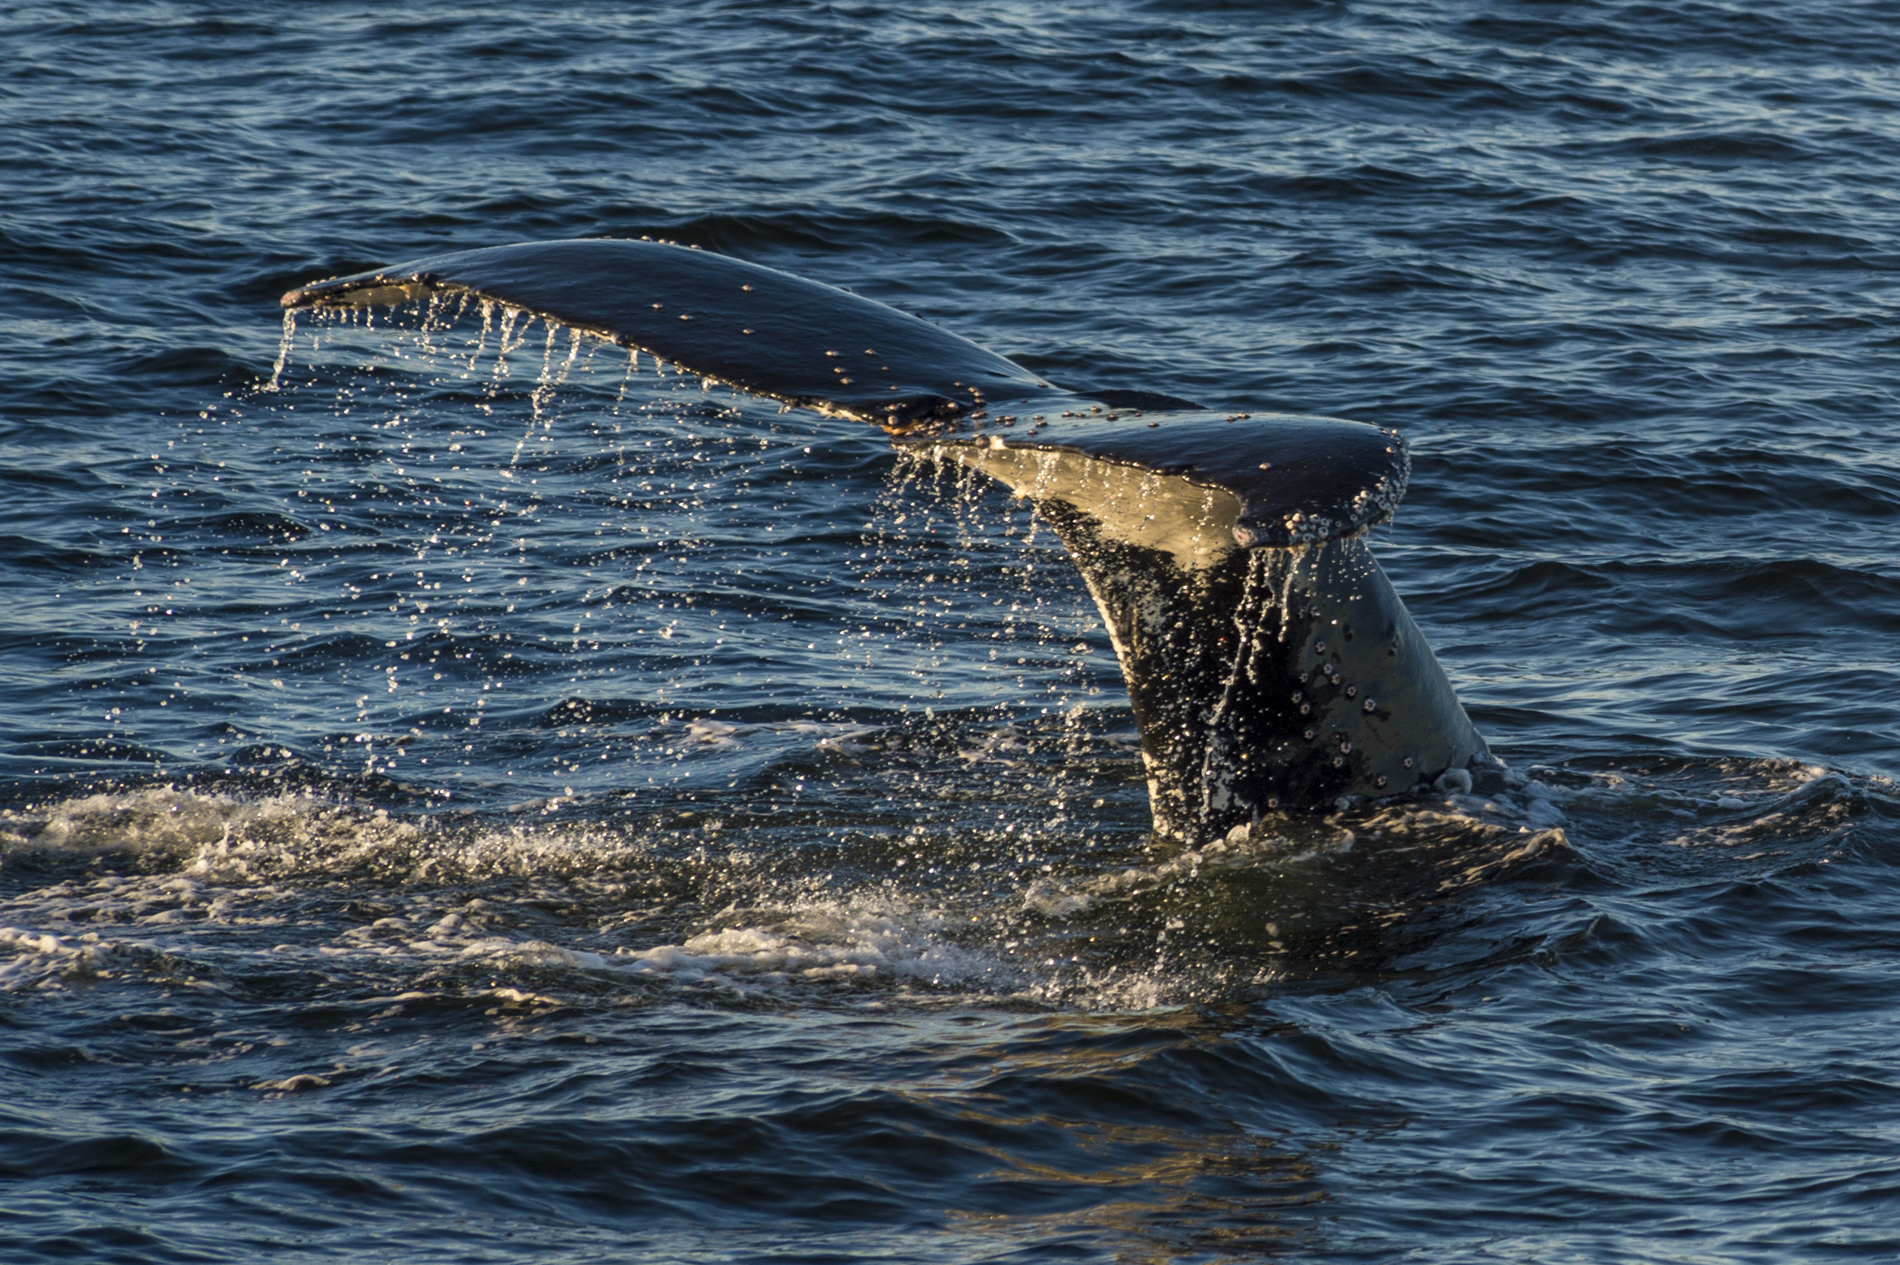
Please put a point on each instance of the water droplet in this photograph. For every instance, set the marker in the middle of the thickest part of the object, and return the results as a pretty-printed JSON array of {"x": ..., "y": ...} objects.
[
  {"x": 1408, "y": 761},
  {"x": 1352, "y": 691},
  {"x": 1366, "y": 707}
]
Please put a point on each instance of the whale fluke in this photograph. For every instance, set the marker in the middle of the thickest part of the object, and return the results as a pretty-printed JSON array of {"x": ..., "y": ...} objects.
[
  {"x": 756, "y": 328},
  {"x": 1270, "y": 663}
]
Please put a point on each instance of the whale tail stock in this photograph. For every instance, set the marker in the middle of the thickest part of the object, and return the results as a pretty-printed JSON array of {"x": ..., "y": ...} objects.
[{"x": 1269, "y": 661}]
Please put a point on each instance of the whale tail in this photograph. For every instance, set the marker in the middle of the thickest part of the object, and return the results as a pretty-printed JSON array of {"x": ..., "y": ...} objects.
[
  {"x": 1264, "y": 674},
  {"x": 1270, "y": 663}
]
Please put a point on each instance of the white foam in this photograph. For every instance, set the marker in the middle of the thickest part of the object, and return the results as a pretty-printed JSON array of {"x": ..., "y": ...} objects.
[
  {"x": 829, "y": 735},
  {"x": 235, "y": 862},
  {"x": 1454, "y": 782},
  {"x": 38, "y": 959},
  {"x": 1243, "y": 848},
  {"x": 829, "y": 940}
]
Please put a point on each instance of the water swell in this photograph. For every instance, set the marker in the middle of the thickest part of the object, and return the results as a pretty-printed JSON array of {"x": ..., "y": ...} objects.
[{"x": 1618, "y": 273}]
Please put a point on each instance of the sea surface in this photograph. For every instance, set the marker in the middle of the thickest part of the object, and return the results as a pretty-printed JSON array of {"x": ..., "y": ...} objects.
[{"x": 465, "y": 797}]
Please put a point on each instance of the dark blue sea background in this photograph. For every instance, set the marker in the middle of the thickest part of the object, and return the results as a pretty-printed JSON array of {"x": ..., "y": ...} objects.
[{"x": 467, "y": 798}]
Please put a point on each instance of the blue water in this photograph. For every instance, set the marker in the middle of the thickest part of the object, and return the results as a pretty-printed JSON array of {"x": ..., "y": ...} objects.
[{"x": 464, "y": 800}]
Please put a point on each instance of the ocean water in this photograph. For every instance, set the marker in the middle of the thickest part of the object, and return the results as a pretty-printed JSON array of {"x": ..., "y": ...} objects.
[{"x": 467, "y": 797}]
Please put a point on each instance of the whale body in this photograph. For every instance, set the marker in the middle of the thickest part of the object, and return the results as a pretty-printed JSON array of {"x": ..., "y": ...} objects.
[{"x": 1270, "y": 663}]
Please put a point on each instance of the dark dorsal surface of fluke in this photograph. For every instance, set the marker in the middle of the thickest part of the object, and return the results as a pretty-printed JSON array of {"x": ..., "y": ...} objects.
[
  {"x": 1270, "y": 664},
  {"x": 759, "y": 329}
]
